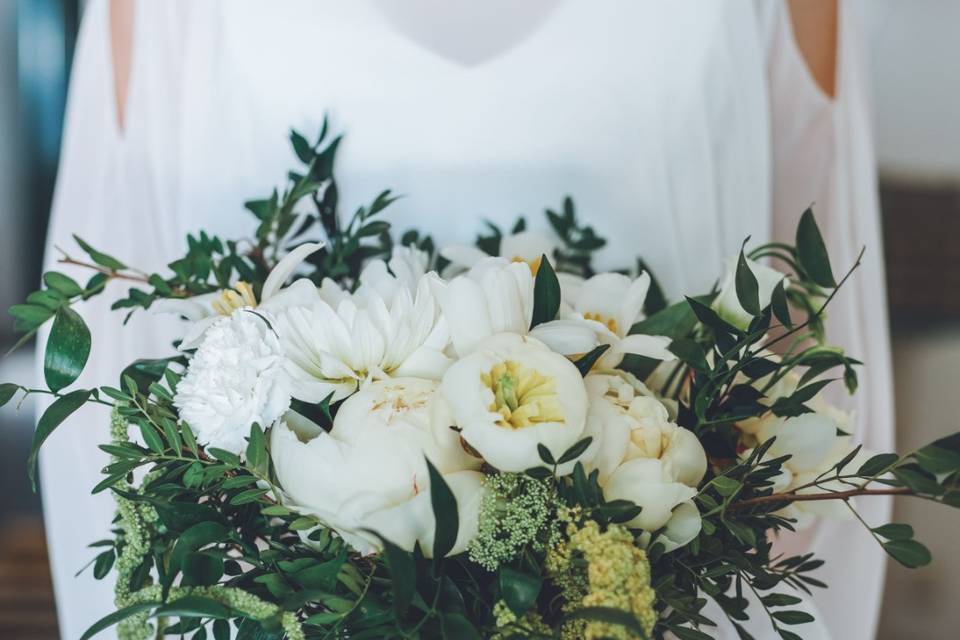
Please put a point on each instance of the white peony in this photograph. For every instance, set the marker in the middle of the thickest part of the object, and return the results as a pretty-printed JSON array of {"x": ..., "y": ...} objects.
[
  {"x": 369, "y": 473},
  {"x": 727, "y": 304},
  {"x": 664, "y": 502},
  {"x": 628, "y": 422},
  {"x": 610, "y": 304},
  {"x": 235, "y": 378},
  {"x": 334, "y": 349},
  {"x": 511, "y": 395},
  {"x": 523, "y": 246},
  {"x": 496, "y": 296}
]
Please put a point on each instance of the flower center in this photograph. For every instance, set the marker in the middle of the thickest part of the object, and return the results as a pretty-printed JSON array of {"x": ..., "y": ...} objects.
[
  {"x": 232, "y": 299},
  {"x": 522, "y": 396},
  {"x": 609, "y": 323},
  {"x": 533, "y": 264}
]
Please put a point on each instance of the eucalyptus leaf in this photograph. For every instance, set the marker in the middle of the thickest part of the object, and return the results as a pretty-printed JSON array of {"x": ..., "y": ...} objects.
[
  {"x": 53, "y": 417},
  {"x": 67, "y": 349}
]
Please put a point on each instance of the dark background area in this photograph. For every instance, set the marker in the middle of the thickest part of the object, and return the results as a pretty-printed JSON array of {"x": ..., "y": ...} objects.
[{"x": 916, "y": 74}]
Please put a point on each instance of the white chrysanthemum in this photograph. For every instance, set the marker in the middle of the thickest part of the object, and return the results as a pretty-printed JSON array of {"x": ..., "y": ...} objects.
[
  {"x": 235, "y": 379},
  {"x": 406, "y": 268},
  {"x": 610, "y": 304},
  {"x": 369, "y": 473},
  {"x": 333, "y": 349},
  {"x": 511, "y": 395}
]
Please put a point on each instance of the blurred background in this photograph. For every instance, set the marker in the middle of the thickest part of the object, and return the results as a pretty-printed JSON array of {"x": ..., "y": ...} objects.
[{"x": 916, "y": 79}]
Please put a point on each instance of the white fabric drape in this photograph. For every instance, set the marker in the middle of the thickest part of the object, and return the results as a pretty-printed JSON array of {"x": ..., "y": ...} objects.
[{"x": 679, "y": 129}]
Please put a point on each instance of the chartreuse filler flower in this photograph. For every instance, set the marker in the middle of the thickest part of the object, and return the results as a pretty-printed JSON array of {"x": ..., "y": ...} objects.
[{"x": 360, "y": 436}]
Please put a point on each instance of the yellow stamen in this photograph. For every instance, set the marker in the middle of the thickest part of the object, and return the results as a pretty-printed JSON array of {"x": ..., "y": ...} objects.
[
  {"x": 533, "y": 264},
  {"x": 232, "y": 299},
  {"x": 522, "y": 396},
  {"x": 610, "y": 323}
]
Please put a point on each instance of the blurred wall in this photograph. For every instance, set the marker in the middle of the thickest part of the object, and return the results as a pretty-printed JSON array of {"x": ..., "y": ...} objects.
[{"x": 915, "y": 55}]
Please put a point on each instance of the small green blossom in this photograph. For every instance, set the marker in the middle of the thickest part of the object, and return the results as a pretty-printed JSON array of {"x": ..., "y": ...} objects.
[{"x": 514, "y": 513}]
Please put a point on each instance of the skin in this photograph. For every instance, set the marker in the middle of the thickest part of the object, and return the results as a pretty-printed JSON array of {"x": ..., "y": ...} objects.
[{"x": 814, "y": 27}]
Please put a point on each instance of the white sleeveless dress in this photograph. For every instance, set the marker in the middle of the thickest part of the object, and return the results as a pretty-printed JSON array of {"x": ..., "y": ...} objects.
[{"x": 678, "y": 127}]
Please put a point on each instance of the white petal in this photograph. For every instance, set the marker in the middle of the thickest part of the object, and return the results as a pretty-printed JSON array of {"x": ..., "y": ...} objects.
[
  {"x": 463, "y": 255},
  {"x": 465, "y": 308},
  {"x": 567, "y": 337},
  {"x": 655, "y": 347},
  {"x": 631, "y": 307},
  {"x": 286, "y": 267}
]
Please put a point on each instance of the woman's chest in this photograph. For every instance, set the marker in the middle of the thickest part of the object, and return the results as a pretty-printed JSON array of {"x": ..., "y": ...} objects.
[{"x": 652, "y": 116}]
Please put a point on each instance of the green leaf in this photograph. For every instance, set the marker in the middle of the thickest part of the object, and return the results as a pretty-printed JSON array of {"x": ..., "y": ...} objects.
[
  {"x": 29, "y": 316},
  {"x": 909, "y": 553},
  {"x": 111, "y": 619},
  {"x": 193, "y": 607},
  {"x": 67, "y": 349},
  {"x": 894, "y": 531},
  {"x": 519, "y": 590},
  {"x": 224, "y": 456},
  {"x": 445, "y": 512},
  {"x": 812, "y": 251},
  {"x": 7, "y": 391},
  {"x": 301, "y": 147},
  {"x": 250, "y": 495},
  {"x": 103, "y": 564},
  {"x": 937, "y": 459},
  {"x": 546, "y": 294},
  {"x": 256, "y": 448},
  {"x": 403, "y": 576},
  {"x": 778, "y": 304},
  {"x": 100, "y": 258},
  {"x": 780, "y": 600},
  {"x": 690, "y": 353},
  {"x": 188, "y": 439},
  {"x": 748, "y": 291},
  {"x": 201, "y": 570},
  {"x": 793, "y": 617},
  {"x": 586, "y": 362},
  {"x": 455, "y": 626},
  {"x": 545, "y": 454},
  {"x": 53, "y": 417},
  {"x": 877, "y": 464},
  {"x": 676, "y": 321},
  {"x": 64, "y": 285},
  {"x": 576, "y": 450},
  {"x": 151, "y": 436}
]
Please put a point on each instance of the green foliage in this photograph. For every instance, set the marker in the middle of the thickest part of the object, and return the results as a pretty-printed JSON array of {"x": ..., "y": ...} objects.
[{"x": 546, "y": 294}]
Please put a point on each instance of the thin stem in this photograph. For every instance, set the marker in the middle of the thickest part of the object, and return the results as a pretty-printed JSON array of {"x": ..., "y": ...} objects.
[
  {"x": 808, "y": 497},
  {"x": 110, "y": 273}
]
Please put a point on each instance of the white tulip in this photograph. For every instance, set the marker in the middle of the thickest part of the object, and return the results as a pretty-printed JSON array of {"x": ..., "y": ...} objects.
[
  {"x": 727, "y": 304},
  {"x": 524, "y": 246},
  {"x": 496, "y": 296},
  {"x": 648, "y": 483},
  {"x": 628, "y": 422},
  {"x": 807, "y": 438},
  {"x": 611, "y": 303},
  {"x": 511, "y": 395},
  {"x": 336, "y": 349},
  {"x": 369, "y": 473},
  {"x": 206, "y": 309}
]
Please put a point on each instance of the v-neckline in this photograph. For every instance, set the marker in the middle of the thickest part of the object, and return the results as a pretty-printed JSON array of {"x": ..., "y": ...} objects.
[{"x": 409, "y": 39}]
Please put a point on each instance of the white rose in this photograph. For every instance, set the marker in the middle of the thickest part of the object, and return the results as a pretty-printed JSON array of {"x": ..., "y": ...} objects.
[
  {"x": 629, "y": 422},
  {"x": 511, "y": 395},
  {"x": 664, "y": 502},
  {"x": 727, "y": 304},
  {"x": 236, "y": 378},
  {"x": 369, "y": 473}
]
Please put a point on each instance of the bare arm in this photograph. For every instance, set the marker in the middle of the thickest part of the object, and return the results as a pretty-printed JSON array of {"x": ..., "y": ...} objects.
[
  {"x": 121, "y": 47},
  {"x": 815, "y": 29}
]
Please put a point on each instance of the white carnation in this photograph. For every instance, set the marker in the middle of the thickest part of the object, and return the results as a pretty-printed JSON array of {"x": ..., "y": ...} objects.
[{"x": 236, "y": 378}]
